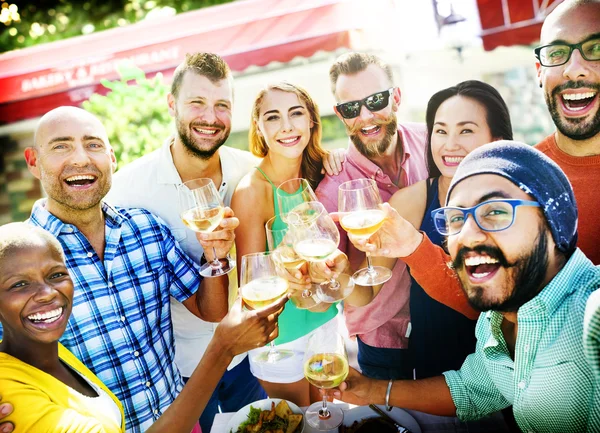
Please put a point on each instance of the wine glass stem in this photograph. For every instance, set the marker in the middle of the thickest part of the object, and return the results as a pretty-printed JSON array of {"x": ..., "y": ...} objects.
[
  {"x": 215, "y": 264},
  {"x": 370, "y": 269},
  {"x": 324, "y": 412}
]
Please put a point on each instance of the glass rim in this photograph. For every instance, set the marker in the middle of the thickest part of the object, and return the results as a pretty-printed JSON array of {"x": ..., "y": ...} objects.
[
  {"x": 258, "y": 254},
  {"x": 304, "y": 183},
  {"x": 208, "y": 182},
  {"x": 371, "y": 184}
]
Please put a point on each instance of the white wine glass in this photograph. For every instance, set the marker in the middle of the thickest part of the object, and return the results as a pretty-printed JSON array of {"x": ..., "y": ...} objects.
[
  {"x": 260, "y": 286},
  {"x": 326, "y": 367},
  {"x": 279, "y": 241},
  {"x": 316, "y": 238},
  {"x": 202, "y": 211},
  {"x": 359, "y": 203},
  {"x": 292, "y": 193}
]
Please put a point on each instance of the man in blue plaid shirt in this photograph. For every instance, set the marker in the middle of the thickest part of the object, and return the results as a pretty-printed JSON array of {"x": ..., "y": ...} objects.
[{"x": 125, "y": 264}]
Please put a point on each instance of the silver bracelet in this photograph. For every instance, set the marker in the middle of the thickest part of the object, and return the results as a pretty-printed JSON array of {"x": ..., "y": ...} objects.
[{"x": 387, "y": 396}]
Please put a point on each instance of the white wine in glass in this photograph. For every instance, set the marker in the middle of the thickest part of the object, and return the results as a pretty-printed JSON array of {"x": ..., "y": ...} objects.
[
  {"x": 203, "y": 220},
  {"x": 202, "y": 210},
  {"x": 262, "y": 292},
  {"x": 261, "y": 286},
  {"x": 279, "y": 241},
  {"x": 359, "y": 203},
  {"x": 326, "y": 367},
  {"x": 363, "y": 224},
  {"x": 316, "y": 238}
]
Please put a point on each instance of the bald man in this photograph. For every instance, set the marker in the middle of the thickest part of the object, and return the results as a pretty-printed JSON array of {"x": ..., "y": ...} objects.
[{"x": 125, "y": 264}]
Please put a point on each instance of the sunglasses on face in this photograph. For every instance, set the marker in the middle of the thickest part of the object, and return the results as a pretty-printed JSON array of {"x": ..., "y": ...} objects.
[{"x": 375, "y": 102}]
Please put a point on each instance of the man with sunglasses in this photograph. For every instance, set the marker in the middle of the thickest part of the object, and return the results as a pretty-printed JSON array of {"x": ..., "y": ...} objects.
[
  {"x": 568, "y": 67},
  {"x": 511, "y": 227},
  {"x": 393, "y": 155}
]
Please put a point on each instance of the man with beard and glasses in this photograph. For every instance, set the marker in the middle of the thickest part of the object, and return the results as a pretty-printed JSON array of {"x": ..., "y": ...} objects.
[
  {"x": 125, "y": 264},
  {"x": 201, "y": 102},
  {"x": 511, "y": 227},
  {"x": 393, "y": 155},
  {"x": 568, "y": 69}
]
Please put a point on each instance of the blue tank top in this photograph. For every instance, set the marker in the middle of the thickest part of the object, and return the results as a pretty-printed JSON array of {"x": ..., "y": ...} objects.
[
  {"x": 441, "y": 338},
  {"x": 294, "y": 322}
]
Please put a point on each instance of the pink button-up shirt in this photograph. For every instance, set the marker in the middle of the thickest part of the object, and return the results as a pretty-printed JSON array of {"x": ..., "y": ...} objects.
[{"x": 384, "y": 322}]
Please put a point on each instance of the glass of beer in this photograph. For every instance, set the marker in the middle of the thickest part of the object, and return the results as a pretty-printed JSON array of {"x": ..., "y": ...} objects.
[
  {"x": 279, "y": 241},
  {"x": 260, "y": 286},
  {"x": 359, "y": 203},
  {"x": 202, "y": 211},
  {"x": 326, "y": 367},
  {"x": 316, "y": 238}
]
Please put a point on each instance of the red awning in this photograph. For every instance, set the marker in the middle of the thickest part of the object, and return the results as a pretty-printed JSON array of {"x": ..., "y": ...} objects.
[
  {"x": 245, "y": 33},
  {"x": 512, "y": 22}
]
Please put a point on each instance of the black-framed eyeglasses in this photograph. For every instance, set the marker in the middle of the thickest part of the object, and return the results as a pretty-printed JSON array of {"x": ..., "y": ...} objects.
[
  {"x": 559, "y": 54},
  {"x": 375, "y": 102},
  {"x": 490, "y": 216}
]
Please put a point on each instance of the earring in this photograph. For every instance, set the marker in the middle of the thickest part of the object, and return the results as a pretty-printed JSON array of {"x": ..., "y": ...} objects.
[{"x": 540, "y": 85}]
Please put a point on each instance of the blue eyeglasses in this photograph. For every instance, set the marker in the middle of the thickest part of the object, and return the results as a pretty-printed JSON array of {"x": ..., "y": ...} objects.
[{"x": 490, "y": 216}]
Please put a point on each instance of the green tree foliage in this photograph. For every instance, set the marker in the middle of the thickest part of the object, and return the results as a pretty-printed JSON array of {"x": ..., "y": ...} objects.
[
  {"x": 25, "y": 22},
  {"x": 134, "y": 113}
]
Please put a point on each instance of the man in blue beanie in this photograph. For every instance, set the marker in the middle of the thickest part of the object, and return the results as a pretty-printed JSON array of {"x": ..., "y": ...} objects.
[{"x": 511, "y": 227}]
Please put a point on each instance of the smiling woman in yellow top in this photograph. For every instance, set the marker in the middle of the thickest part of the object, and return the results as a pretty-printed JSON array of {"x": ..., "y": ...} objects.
[
  {"x": 53, "y": 392},
  {"x": 49, "y": 388}
]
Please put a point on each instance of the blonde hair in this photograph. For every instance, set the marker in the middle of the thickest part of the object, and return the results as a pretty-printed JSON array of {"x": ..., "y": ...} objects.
[{"x": 312, "y": 157}]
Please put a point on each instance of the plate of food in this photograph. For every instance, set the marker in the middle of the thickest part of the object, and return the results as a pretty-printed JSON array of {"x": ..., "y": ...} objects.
[
  {"x": 269, "y": 415},
  {"x": 363, "y": 419}
]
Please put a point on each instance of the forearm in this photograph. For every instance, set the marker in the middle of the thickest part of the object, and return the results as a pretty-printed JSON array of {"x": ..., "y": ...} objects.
[
  {"x": 429, "y": 267},
  {"x": 212, "y": 298},
  {"x": 430, "y": 395},
  {"x": 181, "y": 416}
]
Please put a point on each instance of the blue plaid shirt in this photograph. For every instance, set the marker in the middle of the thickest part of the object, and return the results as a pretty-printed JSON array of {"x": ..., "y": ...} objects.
[{"x": 120, "y": 326}]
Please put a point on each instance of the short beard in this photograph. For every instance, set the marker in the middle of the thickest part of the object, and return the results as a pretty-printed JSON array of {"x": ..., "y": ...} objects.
[
  {"x": 573, "y": 128},
  {"x": 188, "y": 142},
  {"x": 529, "y": 273},
  {"x": 391, "y": 128}
]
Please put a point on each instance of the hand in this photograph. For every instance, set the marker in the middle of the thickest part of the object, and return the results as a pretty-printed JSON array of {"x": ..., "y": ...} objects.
[
  {"x": 330, "y": 268},
  {"x": 241, "y": 330},
  {"x": 221, "y": 239},
  {"x": 5, "y": 410},
  {"x": 396, "y": 238},
  {"x": 332, "y": 162},
  {"x": 356, "y": 389}
]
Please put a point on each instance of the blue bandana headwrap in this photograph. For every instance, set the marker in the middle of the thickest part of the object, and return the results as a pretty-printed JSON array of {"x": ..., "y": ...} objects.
[{"x": 534, "y": 173}]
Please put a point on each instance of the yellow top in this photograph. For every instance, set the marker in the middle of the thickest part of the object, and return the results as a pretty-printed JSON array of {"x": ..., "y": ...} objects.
[{"x": 43, "y": 404}]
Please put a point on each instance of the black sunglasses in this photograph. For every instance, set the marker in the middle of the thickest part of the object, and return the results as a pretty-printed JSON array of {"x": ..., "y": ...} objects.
[{"x": 375, "y": 102}]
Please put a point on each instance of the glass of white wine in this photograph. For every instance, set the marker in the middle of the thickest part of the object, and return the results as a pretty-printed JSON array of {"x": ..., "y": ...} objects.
[
  {"x": 316, "y": 238},
  {"x": 291, "y": 193},
  {"x": 202, "y": 211},
  {"x": 260, "y": 286},
  {"x": 359, "y": 202},
  {"x": 326, "y": 367},
  {"x": 279, "y": 241}
]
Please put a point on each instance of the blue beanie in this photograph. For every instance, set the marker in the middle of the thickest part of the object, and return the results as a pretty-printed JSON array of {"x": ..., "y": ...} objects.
[{"x": 534, "y": 173}]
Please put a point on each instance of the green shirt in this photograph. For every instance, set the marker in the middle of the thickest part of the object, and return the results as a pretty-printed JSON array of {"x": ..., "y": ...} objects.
[
  {"x": 550, "y": 383},
  {"x": 294, "y": 322},
  {"x": 591, "y": 333}
]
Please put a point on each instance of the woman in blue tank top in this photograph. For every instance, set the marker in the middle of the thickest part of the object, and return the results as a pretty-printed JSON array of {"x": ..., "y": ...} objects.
[
  {"x": 459, "y": 119},
  {"x": 286, "y": 131}
]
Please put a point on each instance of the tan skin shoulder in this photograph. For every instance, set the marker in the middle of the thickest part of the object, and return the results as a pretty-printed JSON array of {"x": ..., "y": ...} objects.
[
  {"x": 411, "y": 202},
  {"x": 252, "y": 203}
]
